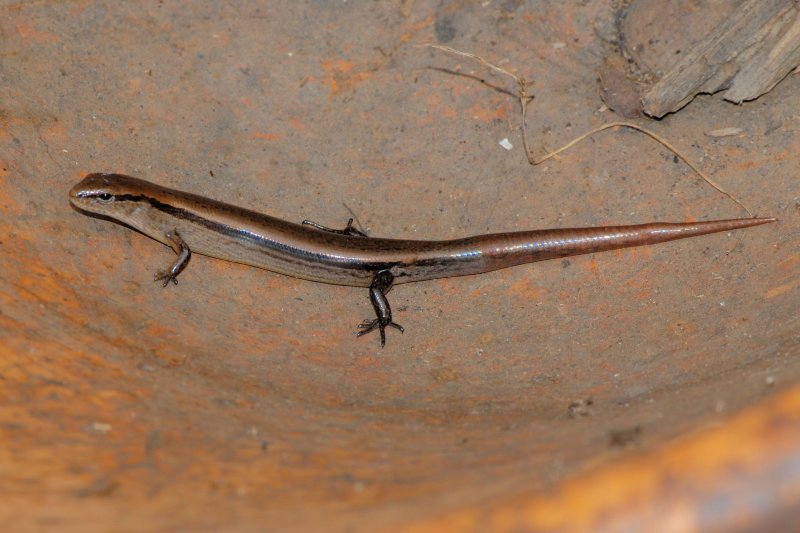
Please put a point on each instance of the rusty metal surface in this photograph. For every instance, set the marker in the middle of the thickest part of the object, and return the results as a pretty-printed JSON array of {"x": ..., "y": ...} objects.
[
  {"x": 741, "y": 476},
  {"x": 242, "y": 398}
]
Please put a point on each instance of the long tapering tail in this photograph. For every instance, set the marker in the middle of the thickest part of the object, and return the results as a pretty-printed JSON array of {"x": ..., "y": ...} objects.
[{"x": 529, "y": 246}]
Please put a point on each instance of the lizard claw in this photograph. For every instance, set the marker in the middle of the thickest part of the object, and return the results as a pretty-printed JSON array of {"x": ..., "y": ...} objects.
[
  {"x": 368, "y": 325},
  {"x": 166, "y": 277}
]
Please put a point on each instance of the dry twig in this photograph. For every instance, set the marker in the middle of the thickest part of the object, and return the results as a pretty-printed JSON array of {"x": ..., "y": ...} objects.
[
  {"x": 524, "y": 98},
  {"x": 653, "y": 136},
  {"x": 522, "y": 88}
]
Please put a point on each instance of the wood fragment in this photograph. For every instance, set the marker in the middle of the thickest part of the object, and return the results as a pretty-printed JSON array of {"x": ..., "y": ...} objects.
[
  {"x": 724, "y": 132},
  {"x": 619, "y": 92},
  {"x": 771, "y": 63},
  {"x": 748, "y": 54}
]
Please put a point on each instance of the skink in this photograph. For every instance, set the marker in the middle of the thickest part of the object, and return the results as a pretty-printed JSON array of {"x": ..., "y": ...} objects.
[{"x": 189, "y": 223}]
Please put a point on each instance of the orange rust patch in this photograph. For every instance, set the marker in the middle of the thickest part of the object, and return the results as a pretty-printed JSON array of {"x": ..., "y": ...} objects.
[
  {"x": 781, "y": 289},
  {"x": 157, "y": 331},
  {"x": 484, "y": 114},
  {"x": 682, "y": 328},
  {"x": 524, "y": 288},
  {"x": 789, "y": 265},
  {"x": 41, "y": 284},
  {"x": 77, "y": 8},
  {"x": 341, "y": 76},
  {"x": 434, "y": 103},
  {"x": 55, "y": 131},
  {"x": 486, "y": 338},
  {"x": 593, "y": 265},
  {"x": 296, "y": 123},
  {"x": 422, "y": 24},
  {"x": 27, "y": 31},
  {"x": 477, "y": 292},
  {"x": 10, "y": 204},
  {"x": 444, "y": 375},
  {"x": 643, "y": 295},
  {"x": 780, "y": 156},
  {"x": 448, "y": 112},
  {"x": 267, "y": 136}
]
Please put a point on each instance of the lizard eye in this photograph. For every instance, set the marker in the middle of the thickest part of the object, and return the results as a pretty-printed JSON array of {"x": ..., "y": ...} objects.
[{"x": 104, "y": 197}]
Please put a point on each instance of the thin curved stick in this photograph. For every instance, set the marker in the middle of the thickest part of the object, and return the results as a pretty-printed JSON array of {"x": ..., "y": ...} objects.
[
  {"x": 479, "y": 59},
  {"x": 653, "y": 136},
  {"x": 524, "y": 98}
]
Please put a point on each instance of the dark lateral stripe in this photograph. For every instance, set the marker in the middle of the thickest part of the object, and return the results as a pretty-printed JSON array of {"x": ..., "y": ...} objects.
[
  {"x": 183, "y": 214},
  {"x": 281, "y": 252},
  {"x": 212, "y": 225}
]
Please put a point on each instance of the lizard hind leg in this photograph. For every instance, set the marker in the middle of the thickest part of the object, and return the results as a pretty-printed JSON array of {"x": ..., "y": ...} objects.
[{"x": 381, "y": 284}]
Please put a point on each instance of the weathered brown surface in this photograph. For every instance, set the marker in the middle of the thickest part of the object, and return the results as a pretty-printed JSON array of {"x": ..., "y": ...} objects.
[
  {"x": 740, "y": 475},
  {"x": 749, "y": 52},
  {"x": 241, "y": 398}
]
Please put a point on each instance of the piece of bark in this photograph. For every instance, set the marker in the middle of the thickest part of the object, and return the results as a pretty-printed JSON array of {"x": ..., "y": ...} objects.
[
  {"x": 655, "y": 34},
  {"x": 748, "y": 54},
  {"x": 724, "y": 132},
  {"x": 619, "y": 92},
  {"x": 769, "y": 65}
]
